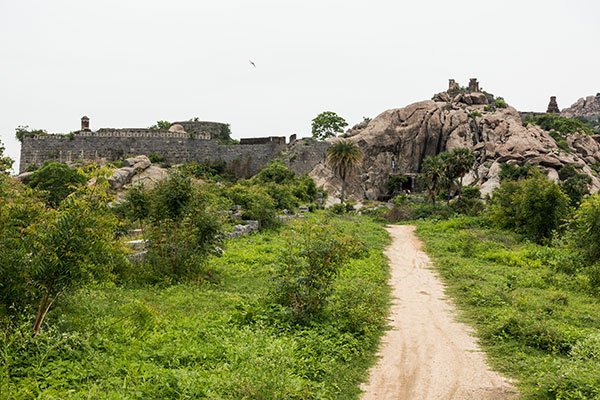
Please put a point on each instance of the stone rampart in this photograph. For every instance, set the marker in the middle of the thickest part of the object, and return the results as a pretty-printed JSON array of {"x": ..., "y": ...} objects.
[{"x": 174, "y": 148}]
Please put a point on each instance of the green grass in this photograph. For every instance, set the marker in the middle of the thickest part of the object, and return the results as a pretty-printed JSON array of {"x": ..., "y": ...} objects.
[
  {"x": 218, "y": 340},
  {"x": 533, "y": 309}
]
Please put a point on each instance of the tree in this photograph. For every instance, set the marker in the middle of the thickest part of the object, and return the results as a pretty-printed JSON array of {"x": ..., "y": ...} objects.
[
  {"x": 585, "y": 229},
  {"x": 56, "y": 181},
  {"x": 433, "y": 176},
  {"x": 327, "y": 124},
  {"x": 5, "y": 161},
  {"x": 161, "y": 126},
  {"x": 534, "y": 206},
  {"x": 343, "y": 157},
  {"x": 457, "y": 163}
]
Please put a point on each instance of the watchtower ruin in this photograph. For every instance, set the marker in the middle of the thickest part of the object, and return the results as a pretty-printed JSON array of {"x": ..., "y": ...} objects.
[{"x": 553, "y": 106}]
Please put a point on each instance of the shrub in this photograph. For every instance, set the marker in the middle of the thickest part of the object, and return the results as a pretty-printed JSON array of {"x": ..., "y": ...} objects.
[
  {"x": 534, "y": 206},
  {"x": 500, "y": 103},
  {"x": 56, "y": 181},
  {"x": 585, "y": 229},
  {"x": 255, "y": 202},
  {"x": 514, "y": 172},
  {"x": 307, "y": 269},
  {"x": 562, "y": 125}
]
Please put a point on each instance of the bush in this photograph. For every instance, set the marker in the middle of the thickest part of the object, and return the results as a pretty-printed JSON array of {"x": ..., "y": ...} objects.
[
  {"x": 307, "y": 269},
  {"x": 585, "y": 229},
  {"x": 534, "y": 206},
  {"x": 56, "y": 181},
  {"x": 255, "y": 202},
  {"x": 500, "y": 103}
]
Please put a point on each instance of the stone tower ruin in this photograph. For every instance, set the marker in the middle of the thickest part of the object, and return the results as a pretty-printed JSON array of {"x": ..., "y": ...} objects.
[{"x": 553, "y": 106}]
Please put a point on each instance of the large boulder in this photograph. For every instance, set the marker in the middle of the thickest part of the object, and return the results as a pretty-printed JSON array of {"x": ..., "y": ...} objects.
[{"x": 398, "y": 140}]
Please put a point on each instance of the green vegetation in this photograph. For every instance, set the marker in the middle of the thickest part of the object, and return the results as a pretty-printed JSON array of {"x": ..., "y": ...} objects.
[
  {"x": 563, "y": 125},
  {"x": 499, "y": 102},
  {"x": 56, "y": 181},
  {"x": 535, "y": 206},
  {"x": 327, "y": 124},
  {"x": 5, "y": 161},
  {"x": 225, "y": 338},
  {"x": 161, "y": 125},
  {"x": 445, "y": 171},
  {"x": 23, "y": 131},
  {"x": 343, "y": 157},
  {"x": 534, "y": 307}
]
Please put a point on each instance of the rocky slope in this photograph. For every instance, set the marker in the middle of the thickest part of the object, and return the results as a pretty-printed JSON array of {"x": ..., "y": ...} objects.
[
  {"x": 398, "y": 140},
  {"x": 588, "y": 108}
]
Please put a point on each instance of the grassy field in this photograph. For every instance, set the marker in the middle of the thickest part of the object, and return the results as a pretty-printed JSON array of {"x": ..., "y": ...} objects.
[
  {"x": 221, "y": 339},
  {"x": 534, "y": 308}
]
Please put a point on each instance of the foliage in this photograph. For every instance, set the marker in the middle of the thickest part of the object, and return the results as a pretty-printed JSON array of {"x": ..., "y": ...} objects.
[
  {"x": 171, "y": 197},
  {"x": 275, "y": 172},
  {"x": 137, "y": 203},
  {"x": 23, "y": 131},
  {"x": 395, "y": 183},
  {"x": 537, "y": 323},
  {"x": 255, "y": 202},
  {"x": 563, "y": 125},
  {"x": 433, "y": 176},
  {"x": 515, "y": 172},
  {"x": 221, "y": 341},
  {"x": 342, "y": 208},
  {"x": 308, "y": 266},
  {"x": 534, "y": 207},
  {"x": 5, "y": 161},
  {"x": 185, "y": 228},
  {"x": 574, "y": 184},
  {"x": 585, "y": 228},
  {"x": 213, "y": 171},
  {"x": 457, "y": 163},
  {"x": 327, "y": 124},
  {"x": 474, "y": 114},
  {"x": 56, "y": 181},
  {"x": 161, "y": 125},
  {"x": 156, "y": 158},
  {"x": 499, "y": 102},
  {"x": 343, "y": 157}
]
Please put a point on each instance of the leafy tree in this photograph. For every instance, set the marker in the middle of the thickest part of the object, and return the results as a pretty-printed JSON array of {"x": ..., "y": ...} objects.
[
  {"x": 275, "y": 172},
  {"x": 585, "y": 230},
  {"x": 171, "y": 197},
  {"x": 513, "y": 172},
  {"x": 534, "y": 206},
  {"x": 343, "y": 157},
  {"x": 255, "y": 202},
  {"x": 327, "y": 124},
  {"x": 433, "y": 176},
  {"x": 161, "y": 126},
  {"x": 457, "y": 163},
  {"x": 5, "y": 161},
  {"x": 574, "y": 184},
  {"x": 56, "y": 181},
  {"x": 75, "y": 245}
]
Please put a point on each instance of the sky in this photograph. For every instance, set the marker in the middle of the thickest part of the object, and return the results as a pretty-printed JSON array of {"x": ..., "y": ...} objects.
[{"x": 129, "y": 63}]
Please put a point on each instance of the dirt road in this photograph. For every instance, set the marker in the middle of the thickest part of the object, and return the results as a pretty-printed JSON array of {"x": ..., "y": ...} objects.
[{"x": 427, "y": 354}]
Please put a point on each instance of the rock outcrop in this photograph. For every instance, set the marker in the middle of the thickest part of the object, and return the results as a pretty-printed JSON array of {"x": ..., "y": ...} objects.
[
  {"x": 398, "y": 140},
  {"x": 137, "y": 171},
  {"x": 588, "y": 108}
]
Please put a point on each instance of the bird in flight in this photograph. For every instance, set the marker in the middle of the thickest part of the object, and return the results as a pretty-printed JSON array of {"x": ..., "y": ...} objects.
[{"x": 251, "y": 62}]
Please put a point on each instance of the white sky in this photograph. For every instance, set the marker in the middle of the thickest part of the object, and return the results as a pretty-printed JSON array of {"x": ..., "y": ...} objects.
[{"x": 128, "y": 63}]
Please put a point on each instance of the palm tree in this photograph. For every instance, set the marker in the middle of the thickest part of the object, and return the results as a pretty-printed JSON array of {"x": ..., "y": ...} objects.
[
  {"x": 343, "y": 156},
  {"x": 433, "y": 176}
]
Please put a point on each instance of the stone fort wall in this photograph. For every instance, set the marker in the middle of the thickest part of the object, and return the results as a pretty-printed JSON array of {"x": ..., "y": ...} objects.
[{"x": 175, "y": 148}]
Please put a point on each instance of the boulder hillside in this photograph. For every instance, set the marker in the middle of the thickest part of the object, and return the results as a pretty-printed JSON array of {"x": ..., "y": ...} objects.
[{"x": 398, "y": 140}]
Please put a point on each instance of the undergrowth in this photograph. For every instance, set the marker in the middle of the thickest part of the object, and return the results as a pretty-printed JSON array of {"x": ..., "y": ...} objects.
[
  {"x": 534, "y": 307},
  {"x": 221, "y": 339}
]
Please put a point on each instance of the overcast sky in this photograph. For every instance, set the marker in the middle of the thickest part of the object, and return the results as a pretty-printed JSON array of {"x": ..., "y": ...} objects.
[{"x": 129, "y": 63}]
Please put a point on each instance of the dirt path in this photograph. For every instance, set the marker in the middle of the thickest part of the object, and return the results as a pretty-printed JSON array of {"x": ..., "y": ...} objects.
[{"x": 427, "y": 354}]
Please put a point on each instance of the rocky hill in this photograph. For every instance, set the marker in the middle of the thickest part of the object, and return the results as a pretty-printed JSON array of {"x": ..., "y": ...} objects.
[
  {"x": 588, "y": 108},
  {"x": 398, "y": 140}
]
